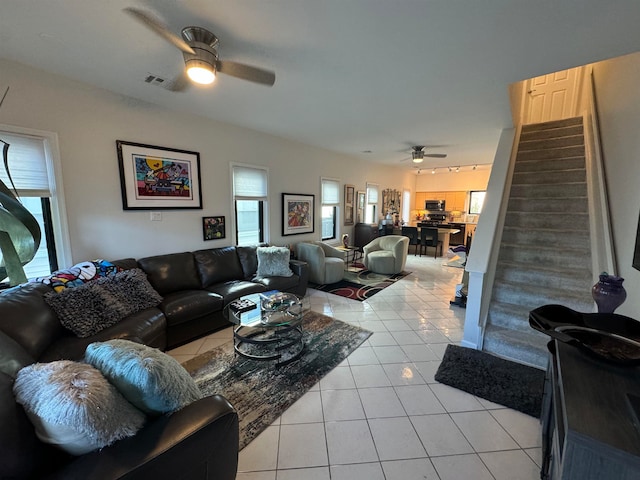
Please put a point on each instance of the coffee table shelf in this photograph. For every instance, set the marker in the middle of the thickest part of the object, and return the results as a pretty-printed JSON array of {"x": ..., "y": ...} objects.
[{"x": 267, "y": 335}]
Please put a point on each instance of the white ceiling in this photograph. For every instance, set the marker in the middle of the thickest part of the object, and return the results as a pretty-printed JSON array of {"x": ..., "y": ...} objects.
[{"x": 351, "y": 75}]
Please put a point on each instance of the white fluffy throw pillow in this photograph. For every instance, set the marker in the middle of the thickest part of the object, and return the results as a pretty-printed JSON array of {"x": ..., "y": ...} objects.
[
  {"x": 273, "y": 262},
  {"x": 73, "y": 407}
]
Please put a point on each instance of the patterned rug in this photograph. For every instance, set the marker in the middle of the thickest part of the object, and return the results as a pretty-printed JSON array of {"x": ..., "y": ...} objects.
[
  {"x": 359, "y": 283},
  {"x": 259, "y": 390}
]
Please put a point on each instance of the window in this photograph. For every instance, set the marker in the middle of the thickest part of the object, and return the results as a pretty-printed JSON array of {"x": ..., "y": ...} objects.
[
  {"x": 249, "y": 198},
  {"x": 371, "y": 208},
  {"x": 330, "y": 200},
  {"x": 406, "y": 206},
  {"x": 475, "y": 202},
  {"x": 30, "y": 158}
]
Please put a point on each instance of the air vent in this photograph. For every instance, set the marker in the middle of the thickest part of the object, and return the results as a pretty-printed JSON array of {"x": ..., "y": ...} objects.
[{"x": 156, "y": 80}]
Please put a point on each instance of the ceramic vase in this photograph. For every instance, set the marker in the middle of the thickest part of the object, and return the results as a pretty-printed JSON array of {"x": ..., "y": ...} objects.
[
  {"x": 608, "y": 293},
  {"x": 345, "y": 240}
]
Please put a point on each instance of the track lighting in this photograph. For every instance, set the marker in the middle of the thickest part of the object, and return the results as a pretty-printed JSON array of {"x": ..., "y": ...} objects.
[
  {"x": 433, "y": 171},
  {"x": 457, "y": 169}
]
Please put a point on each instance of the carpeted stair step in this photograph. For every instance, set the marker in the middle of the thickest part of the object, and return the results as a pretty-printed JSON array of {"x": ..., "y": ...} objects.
[
  {"x": 550, "y": 143},
  {"x": 526, "y": 136},
  {"x": 547, "y": 164},
  {"x": 553, "y": 124},
  {"x": 543, "y": 255},
  {"x": 546, "y": 205},
  {"x": 531, "y": 296},
  {"x": 530, "y": 236},
  {"x": 577, "y": 278},
  {"x": 559, "y": 152},
  {"x": 561, "y": 190},
  {"x": 577, "y": 175},
  {"x": 552, "y": 221},
  {"x": 527, "y": 348}
]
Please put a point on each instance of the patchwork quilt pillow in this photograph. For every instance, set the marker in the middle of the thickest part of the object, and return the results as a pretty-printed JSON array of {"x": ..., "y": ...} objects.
[
  {"x": 79, "y": 274},
  {"x": 151, "y": 380},
  {"x": 96, "y": 305},
  {"x": 273, "y": 262},
  {"x": 73, "y": 406}
]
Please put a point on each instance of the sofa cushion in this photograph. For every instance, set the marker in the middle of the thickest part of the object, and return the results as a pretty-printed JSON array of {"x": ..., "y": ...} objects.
[
  {"x": 12, "y": 356},
  {"x": 236, "y": 289},
  {"x": 273, "y": 261},
  {"x": 18, "y": 442},
  {"x": 74, "y": 407},
  {"x": 187, "y": 305},
  {"x": 96, "y": 305},
  {"x": 148, "y": 378},
  {"x": 217, "y": 265},
  {"x": 25, "y": 317},
  {"x": 172, "y": 272},
  {"x": 278, "y": 283},
  {"x": 248, "y": 256}
]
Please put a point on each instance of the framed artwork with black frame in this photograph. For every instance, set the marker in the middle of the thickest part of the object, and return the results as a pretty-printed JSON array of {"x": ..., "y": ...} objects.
[
  {"x": 297, "y": 213},
  {"x": 213, "y": 228},
  {"x": 153, "y": 177}
]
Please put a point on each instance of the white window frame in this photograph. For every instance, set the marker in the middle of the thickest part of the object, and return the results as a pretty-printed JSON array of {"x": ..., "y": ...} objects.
[
  {"x": 406, "y": 206},
  {"x": 265, "y": 211},
  {"x": 57, "y": 199},
  {"x": 328, "y": 203},
  {"x": 368, "y": 202}
]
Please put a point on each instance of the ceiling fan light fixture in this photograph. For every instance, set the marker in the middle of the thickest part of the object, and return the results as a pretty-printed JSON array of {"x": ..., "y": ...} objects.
[
  {"x": 200, "y": 71},
  {"x": 417, "y": 157}
]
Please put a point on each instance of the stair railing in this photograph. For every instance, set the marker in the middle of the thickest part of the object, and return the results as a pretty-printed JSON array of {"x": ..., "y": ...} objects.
[
  {"x": 483, "y": 256},
  {"x": 602, "y": 246}
]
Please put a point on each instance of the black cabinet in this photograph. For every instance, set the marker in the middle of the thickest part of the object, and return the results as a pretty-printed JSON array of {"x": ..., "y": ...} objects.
[
  {"x": 460, "y": 237},
  {"x": 589, "y": 428},
  {"x": 363, "y": 233}
]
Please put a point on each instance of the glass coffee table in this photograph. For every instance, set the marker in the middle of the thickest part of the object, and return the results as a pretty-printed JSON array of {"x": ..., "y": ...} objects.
[{"x": 270, "y": 331}]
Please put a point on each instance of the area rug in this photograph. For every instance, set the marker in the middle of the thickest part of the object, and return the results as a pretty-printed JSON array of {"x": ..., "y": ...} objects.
[
  {"x": 492, "y": 378},
  {"x": 359, "y": 283},
  {"x": 259, "y": 390}
]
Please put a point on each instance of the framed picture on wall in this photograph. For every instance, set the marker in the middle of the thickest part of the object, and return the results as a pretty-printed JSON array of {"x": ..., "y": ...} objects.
[
  {"x": 153, "y": 177},
  {"x": 297, "y": 213},
  {"x": 349, "y": 205},
  {"x": 360, "y": 207},
  {"x": 213, "y": 228}
]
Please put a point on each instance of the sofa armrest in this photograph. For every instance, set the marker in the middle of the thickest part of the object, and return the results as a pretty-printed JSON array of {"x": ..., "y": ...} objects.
[
  {"x": 300, "y": 268},
  {"x": 198, "y": 441}
]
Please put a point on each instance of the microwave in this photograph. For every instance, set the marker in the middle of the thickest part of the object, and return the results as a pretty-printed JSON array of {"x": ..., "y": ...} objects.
[{"x": 434, "y": 205}]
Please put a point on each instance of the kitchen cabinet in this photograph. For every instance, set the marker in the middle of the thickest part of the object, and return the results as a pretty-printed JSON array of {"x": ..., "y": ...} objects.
[
  {"x": 589, "y": 425},
  {"x": 455, "y": 200}
]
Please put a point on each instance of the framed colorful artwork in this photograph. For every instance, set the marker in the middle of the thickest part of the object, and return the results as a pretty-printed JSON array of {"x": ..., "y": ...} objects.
[
  {"x": 349, "y": 206},
  {"x": 213, "y": 228},
  {"x": 297, "y": 213},
  {"x": 153, "y": 177}
]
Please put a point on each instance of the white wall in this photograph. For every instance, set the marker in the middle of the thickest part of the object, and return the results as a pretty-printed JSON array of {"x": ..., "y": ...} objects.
[
  {"x": 452, "y": 181},
  {"x": 618, "y": 99},
  {"x": 88, "y": 121}
]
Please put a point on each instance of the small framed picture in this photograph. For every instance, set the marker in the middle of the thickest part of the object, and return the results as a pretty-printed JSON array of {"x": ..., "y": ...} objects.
[{"x": 213, "y": 228}]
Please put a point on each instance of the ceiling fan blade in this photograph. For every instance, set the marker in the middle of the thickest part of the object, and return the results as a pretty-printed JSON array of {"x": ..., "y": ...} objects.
[
  {"x": 246, "y": 72},
  {"x": 159, "y": 28},
  {"x": 436, "y": 155}
]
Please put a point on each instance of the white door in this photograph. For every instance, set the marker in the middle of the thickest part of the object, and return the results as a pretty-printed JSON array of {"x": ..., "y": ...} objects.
[{"x": 552, "y": 97}]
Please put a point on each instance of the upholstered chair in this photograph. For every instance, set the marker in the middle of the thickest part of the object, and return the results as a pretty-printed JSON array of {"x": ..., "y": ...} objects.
[
  {"x": 326, "y": 263},
  {"x": 386, "y": 254}
]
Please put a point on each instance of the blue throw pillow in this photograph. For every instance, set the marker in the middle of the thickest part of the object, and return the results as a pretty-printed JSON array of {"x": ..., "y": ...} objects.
[{"x": 151, "y": 380}]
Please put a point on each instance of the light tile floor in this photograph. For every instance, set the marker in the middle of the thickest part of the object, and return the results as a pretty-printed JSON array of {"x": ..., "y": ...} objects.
[{"x": 380, "y": 415}]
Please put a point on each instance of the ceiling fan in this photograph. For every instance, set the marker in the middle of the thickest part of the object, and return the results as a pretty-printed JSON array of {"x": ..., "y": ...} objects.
[
  {"x": 418, "y": 154},
  {"x": 199, "y": 49}
]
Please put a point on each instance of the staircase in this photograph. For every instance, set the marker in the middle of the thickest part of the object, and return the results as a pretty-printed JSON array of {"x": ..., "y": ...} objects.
[{"x": 545, "y": 254}]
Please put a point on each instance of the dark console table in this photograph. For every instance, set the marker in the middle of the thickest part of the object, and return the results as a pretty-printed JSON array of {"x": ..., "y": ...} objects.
[{"x": 590, "y": 430}]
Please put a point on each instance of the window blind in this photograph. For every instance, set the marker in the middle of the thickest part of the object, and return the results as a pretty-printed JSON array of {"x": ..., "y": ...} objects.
[
  {"x": 372, "y": 193},
  {"x": 27, "y": 164},
  {"x": 249, "y": 183},
  {"x": 330, "y": 192}
]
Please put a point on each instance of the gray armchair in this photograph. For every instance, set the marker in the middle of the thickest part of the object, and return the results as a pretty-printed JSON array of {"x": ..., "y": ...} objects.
[
  {"x": 386, "y": 254},
  {"x": 326, "y": 263}
]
